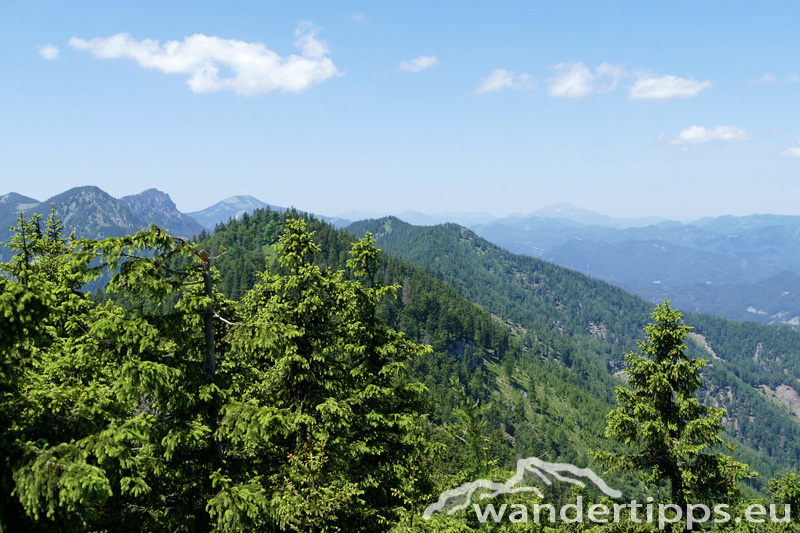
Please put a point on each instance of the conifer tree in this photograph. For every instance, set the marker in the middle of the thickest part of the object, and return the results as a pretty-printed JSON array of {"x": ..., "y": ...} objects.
[
  {"x": 111, "y": 409},
  {"x": 672, "y": 436},
  {"x": 175, "y": 409},
  {"x": 321, "y": 415}
]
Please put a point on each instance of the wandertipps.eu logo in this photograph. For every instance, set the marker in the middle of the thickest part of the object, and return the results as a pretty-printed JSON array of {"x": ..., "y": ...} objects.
[
  {"x": 530, "y": 472},
  {"x": 533, "y": 471}
]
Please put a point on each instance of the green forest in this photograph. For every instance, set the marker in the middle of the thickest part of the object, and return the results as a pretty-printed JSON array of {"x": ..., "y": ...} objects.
[
  {"x": 597, "y": 323},
  {"x": 280, "y": 375}
]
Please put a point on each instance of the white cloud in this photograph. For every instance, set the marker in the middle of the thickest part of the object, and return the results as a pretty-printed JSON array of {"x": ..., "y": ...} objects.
[
  {"x": 699, "y": 135},
  {"x": 766, "y": 78},
  {"x": 525, "y": 81},
  {"x": 615, "y": 72},
  {"x": 48, "y": 51},
  {"x": 770, "y": 78},
  {"x": 503, "y": 79},
  {"x": 358, "y": 18},
  {"x": 666, "y": 87},
  {"x": 498, "y": 79},
  {"x": 572, "y": 81},
  {"x": 576, "y": 80},
  {"x": 255, "y": 68},
  {"x": 794, "y": 151},
  {"x": 418, "y": 64}
]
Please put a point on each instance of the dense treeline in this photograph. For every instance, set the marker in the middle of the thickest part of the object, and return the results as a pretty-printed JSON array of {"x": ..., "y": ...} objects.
[
  {"x": 762, "y": 355},
  {"x": 467, "y": 344},
  {"x": 547, "y": 299},
  {"x": 592, "y": 321},
  {"x": 211, "y": 389},
  {"x": 287, "y": 409}
]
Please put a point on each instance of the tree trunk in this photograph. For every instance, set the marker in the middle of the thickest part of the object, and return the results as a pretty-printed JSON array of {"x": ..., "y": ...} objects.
[{"x": 211, "y": 364}]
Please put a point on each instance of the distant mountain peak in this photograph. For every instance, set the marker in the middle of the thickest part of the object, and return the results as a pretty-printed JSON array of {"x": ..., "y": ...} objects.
[
  {"x": 149, "y": 193},
  {"x": 15, "y": 197},
  {"x": 464, "y": 219},
  {"x": 563, "y": 209},
  {"x": 568, "y": 211},
  {"x": 355, "y": 214},
  {"x": 85, "y": 189},
  {"x": 242, "y": 199},
  {"x": 231, "y": 207},
  {"x": 155, "y": 206},
  {"x": 152, "y": 191},
  {"x": 16, "y": 202}
]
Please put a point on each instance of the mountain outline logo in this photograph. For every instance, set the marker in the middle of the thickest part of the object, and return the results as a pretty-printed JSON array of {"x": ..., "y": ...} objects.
[{"x": 530, "y": 468}]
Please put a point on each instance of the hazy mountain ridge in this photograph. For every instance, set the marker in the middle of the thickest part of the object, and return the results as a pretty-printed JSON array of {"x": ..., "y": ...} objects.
[
  {"x": 465, "y": 219},
  {"x": 229, "y": 208},
  {"x": 158, "y": 208},
  {"x": 659, "y": 262},
  {"x": 234, "y": 207},
  {"x": 13, "y": 203},
  {"x": 731, "y": 224},
  {"x": 775, "y": 300},
  {"x": 567, "y": 211},
  {"x": 93, "y": 213},
  {"x": 715, "y": 265},
  {"x": 680, "y": 260},
  {"x": 564, "y": 212},
  {"x": 602, "y": 322}
]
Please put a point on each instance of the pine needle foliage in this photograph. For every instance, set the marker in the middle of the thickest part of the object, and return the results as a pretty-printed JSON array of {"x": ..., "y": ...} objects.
[
  {"x": 671, "y": 435},
  {"x": 184, "y": 411}
]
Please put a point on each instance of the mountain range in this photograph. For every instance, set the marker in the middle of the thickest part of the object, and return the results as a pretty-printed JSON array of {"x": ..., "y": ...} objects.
[
  {"x": 735, "y": 267},
  {"x": 744, "y": 268},
  {"x": 568, "y": 331},
  {"x": 551, "y": 378},
  {"x": 230, "y": 208},
  {"x": 713, "y": 265},
  {"x": 93, "y": 213},
  {"x": 751, "y": 364}
]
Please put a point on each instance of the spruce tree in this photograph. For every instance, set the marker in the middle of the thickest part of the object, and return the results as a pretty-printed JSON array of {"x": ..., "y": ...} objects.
[
  {"x": 322, "y": 418},
  {"x": 671, "y": 435},
  {"x": 174, "y": 409},
  {"x": 111, "y": 409}
]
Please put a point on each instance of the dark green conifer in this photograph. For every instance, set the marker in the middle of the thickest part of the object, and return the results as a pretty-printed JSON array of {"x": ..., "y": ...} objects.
[{"x": 671, "y": 435}]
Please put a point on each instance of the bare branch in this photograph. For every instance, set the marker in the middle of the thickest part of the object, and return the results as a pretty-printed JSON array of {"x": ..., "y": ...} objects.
[{"x": 227, "y": 321}]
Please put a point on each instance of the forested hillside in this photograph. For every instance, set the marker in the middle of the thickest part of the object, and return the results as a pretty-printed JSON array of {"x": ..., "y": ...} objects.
[
  {"x": 581, "y": 325},
  {"x": 157, "y": 399},
  {"x": 521, "y": 374},
  {"x": 256, "y": 379},
  {"x": 602, "y": 322}
]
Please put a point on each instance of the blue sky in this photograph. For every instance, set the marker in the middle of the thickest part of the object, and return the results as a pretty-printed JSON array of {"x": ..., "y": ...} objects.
[{"x": 675, "y": 109}]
